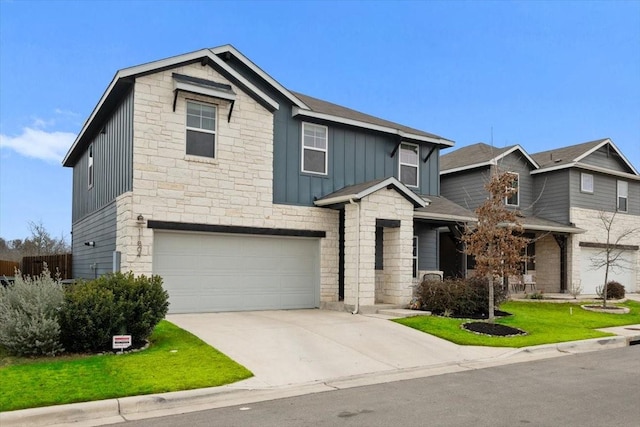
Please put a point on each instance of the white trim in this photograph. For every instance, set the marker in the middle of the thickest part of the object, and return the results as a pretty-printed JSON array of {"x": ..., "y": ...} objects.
[
  {"x": 253, "y": 67},
  {"x": 552, "y": 228},
  {"x": 589, "y": 168},
  {"x": 445, "y": 217},
  {"x": 369, "y": 190},
  {"x": 303, "y": 147},
  {"x": 619, "y": 196},
  {"x": 201, "y": 90},
  {"x": 511, "y": 150},
  {"x": 583, "y": 188},
  {"x": 464, "y": 168},
  {"x": 417, "y": 165},
  {"x": 296, "y": 111},
  {"x": 90, "y": 167},
  {"x": 166, "y": 63},
  {"x": 506, "y": 199},
  {"x": 602, "y": 144},
  {"x": 199, "y": 129}
]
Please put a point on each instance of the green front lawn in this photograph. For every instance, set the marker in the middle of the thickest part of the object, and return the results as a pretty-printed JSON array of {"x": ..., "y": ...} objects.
[
  {"x": 176, "y": 360},
  {"x": 544, "y": 323}
]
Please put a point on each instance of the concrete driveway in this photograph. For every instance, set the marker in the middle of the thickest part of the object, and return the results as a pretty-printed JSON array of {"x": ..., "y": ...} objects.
[{"x": 301, "y": 346}]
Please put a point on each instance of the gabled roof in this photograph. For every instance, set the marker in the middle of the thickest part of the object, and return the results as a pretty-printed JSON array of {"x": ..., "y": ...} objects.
[
  {"x": 478, "y": 155},
  {"x": 324, "y": 110},
  {"x": 321, "y": 110},
  {"x": 571, "y": 156},
  {"x": 359, "y": 191}
]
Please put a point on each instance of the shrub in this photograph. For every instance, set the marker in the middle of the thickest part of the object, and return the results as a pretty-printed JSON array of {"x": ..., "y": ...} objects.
[
  {"x": 29, "y": 315},
  {"x": 459, "y": 297},
  {"x": 615, "y": 290},
  {"x": 113, "y": 304}
]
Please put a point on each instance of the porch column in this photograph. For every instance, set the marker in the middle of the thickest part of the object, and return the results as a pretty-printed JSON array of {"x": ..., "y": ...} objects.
[{"x": 359, "y": 250}]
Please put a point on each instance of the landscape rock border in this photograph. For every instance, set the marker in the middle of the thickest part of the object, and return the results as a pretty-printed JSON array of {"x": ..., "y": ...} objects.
[{"x": 610, "y": 309}]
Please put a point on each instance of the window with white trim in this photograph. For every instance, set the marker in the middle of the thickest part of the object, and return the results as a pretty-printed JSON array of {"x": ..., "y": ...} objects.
[
  {"x": 90, "y": 168},
  {"x": 586, "y": 182},
  {"x": 514, "y": 198},
  {"x": 408, "y": 164},
  {"x": 201, "y": 129},
  {"x": 623, "y": 195},
  {"x": 314, "y": 148},
  {"x": 415, "y": 256}
]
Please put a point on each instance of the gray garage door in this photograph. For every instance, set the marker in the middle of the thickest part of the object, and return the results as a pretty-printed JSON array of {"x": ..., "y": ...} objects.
[{"x": 220, "y": 272}]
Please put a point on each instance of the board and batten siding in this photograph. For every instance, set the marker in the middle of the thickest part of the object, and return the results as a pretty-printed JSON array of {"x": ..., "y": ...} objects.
[
  {"x": 112, "y": 164},
  {"x": 428, "y": 246},
  {"x": 100, "y": 227},
  {"x": 553, "y": 199},
  {"x": 354, "y": 155}
]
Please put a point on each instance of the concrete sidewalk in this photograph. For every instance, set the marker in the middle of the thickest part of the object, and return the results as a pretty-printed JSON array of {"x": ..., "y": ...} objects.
[{"x": 298, "y": 352}]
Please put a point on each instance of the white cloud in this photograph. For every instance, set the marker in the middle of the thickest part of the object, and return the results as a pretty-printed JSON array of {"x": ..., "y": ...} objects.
[{"x": 39, "y": 144}]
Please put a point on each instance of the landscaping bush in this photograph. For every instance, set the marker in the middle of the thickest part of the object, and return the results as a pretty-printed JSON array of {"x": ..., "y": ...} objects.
[
  {"x": 615, "y": 290},
  {"x": 29, "y": 315},
  {"x": 459, "y": 297},
  {"x": 113, "y": 304}
]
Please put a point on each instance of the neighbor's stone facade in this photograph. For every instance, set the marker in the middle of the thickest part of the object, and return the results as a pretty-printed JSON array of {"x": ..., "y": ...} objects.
[
  {"x": 588, "y": 220},
  {"x": 235, "y": 188}
]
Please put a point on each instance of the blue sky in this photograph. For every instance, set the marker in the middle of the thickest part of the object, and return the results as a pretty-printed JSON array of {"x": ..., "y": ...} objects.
[{"x": 540, "y": 74}]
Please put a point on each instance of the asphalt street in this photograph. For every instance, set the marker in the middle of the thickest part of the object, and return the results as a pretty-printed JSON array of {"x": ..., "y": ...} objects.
[{"x": 589, "y": 389}]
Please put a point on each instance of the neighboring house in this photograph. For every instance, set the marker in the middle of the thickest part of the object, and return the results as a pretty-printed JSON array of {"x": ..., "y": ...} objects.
[
  {"x": 578, "y": 183},
  {"x": 556, "y": 213},
  {"x": 244, "y": 195}
]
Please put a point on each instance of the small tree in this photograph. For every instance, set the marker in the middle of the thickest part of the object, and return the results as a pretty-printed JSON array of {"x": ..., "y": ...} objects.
[
  {"x": 610, "y": 257},
  {"x": 496, "y": 242}
]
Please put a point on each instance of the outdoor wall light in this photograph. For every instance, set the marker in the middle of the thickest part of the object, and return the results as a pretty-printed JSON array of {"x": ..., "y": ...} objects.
[
  {"x": 140, "y": 219},
  {"x": 91, "y": 243}
]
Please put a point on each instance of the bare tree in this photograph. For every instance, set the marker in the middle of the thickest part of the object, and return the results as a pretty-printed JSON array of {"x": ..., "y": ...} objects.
[
  {"x": 39, "y": 243},
  {"x": 496, "y": 242},
  {"x": 610, "y": 257}
]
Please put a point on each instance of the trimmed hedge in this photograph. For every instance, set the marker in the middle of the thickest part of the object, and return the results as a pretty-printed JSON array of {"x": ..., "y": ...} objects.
[
  {"x": 112, "y": 304},
  {"x": 615, "y": 290},
  {"x": 459, "y": 297}
]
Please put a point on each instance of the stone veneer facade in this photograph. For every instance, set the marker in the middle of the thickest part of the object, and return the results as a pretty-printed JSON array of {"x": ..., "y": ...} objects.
[
  {"x": 588, "y": 220},
  {"x": 236, "y": 188}
]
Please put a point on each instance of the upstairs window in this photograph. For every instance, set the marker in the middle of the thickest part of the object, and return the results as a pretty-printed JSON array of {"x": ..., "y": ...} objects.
[
  {"x": 409, "y": 164},
  {"x": 623, "y": 194},
  {"x": 201, "y": 129},
  {"x": 314, "y": 148},
  {"x": 586, "y": 183},
  {"x": 514, "y": 198},
  {"x": 90, "y": 168}
]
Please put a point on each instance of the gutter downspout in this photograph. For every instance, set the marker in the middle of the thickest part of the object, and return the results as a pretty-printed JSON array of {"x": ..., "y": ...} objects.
[{"x": 357, "y": 306}]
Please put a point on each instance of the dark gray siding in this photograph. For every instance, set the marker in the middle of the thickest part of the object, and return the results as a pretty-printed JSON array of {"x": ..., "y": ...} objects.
[
  {"x": 606, "y": 158},
  {"x": 428, "y": 246},
  {"x": 552, "y": 192},
  {"x": 100, "y": 227},
  {"x": 605, "y": 193},
  {"x": 112, "y": 160},
  {"x": 466, "y": 188},
  {"x": 355, "y": 155},
  {"x": 515, "y": 163}
]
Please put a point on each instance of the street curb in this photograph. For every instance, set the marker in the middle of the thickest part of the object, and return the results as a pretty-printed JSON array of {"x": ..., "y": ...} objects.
[{"x": 162, "y": 404}]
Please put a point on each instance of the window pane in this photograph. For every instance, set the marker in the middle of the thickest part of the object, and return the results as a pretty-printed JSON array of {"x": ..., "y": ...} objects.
[
  {"x": 409, "y": 175},
  {"x": 587, "y": 183},
  {"x": 623, "y": 188},
  {"x": 193, "y": 121},
  {"x": 200, "y": 143},
  {"x": 622, "y": 204},
  {"x": 193, "y": 109},
  {"x": 208, "y": 111},
  {"x": 409, "y": 154},
  {"x": 208, "y": 124},
  {"x": 314, "y": 161}
]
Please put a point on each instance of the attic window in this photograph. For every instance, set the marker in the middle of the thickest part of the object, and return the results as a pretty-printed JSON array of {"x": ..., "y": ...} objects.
[{"x": 203, "y": 87}]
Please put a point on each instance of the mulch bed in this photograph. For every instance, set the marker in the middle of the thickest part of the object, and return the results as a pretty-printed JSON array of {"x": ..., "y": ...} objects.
[{"x": 493, "y": 329}]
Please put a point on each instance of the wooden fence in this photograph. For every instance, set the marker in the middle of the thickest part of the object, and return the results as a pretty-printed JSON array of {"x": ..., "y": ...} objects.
[
  {"x": 7, "y": 268},
  {"x": 33, "y": 265}
]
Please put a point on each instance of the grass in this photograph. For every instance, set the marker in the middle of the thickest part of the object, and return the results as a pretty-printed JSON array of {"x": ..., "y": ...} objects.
[
  {"x": 176, "y": 360},
  {"x": 544, "y": 323}
]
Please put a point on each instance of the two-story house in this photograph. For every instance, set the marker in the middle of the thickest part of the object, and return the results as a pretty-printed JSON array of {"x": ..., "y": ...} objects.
[
  {"x": 552, "y": 208},
  {"x": 244, "y": 195}
]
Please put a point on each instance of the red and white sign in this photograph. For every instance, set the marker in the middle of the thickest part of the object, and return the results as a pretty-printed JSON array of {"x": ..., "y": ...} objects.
[{"x": 121, "y": 341}]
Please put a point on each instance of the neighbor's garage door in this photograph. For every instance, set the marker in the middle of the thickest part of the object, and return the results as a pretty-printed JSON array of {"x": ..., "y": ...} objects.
[
  {"x": 590, "y": 278},
  {"x": 222, "y": 272}
]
